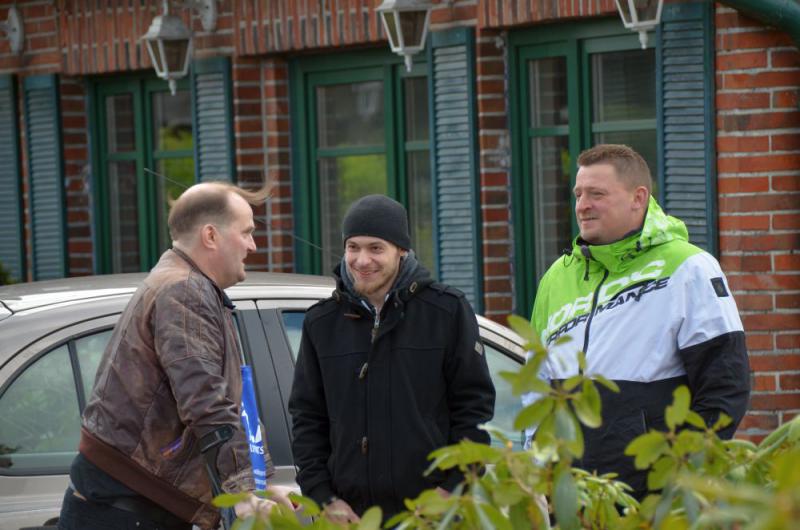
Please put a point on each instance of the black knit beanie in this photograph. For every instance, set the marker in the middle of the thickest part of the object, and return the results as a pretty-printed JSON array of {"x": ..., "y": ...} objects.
[{"x": 377, "y": 216}]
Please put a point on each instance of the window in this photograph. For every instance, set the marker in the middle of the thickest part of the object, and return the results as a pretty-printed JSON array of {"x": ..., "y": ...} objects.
[
  {"x": 293, "y": 326},
  {"x": 506, "y": 405},
  {"x": 574, "y": 87},
  {"x": 40, "y": 410},
  {"x": 139, "y": 126},
  {"x": 365, "y": 129}
]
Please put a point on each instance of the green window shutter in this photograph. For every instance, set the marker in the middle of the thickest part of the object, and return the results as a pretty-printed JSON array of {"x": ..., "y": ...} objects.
[
  {"x": 213, "y": 119},
  {"x": 685, "y": 85},
  {"x": 45, "y": 173},
  {"x": 12, "y": 246},
  {"x": 453, "y": 153}
]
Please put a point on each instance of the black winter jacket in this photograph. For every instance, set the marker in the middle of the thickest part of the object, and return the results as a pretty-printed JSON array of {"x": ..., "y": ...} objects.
[{"x": 369, "y": 404}]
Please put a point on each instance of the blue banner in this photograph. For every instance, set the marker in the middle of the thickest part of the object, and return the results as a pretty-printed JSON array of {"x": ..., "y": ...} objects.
[{"x": 253, "y": 428}]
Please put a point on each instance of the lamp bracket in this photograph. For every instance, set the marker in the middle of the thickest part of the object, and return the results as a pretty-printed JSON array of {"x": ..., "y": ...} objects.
[
  {"x": 206, "y": 10},
  {"x": 14, "y": 29}
]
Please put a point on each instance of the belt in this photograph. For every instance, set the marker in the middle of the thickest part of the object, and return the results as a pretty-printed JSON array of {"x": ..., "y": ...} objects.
[{"x": 143, "y": 507}]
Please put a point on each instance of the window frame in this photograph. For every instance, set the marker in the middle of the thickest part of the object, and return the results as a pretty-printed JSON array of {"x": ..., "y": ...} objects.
[
  {"x": 575, "y": 42},
  {"x": 305, "y": 75},
  {"x": 145, "y": 156}
]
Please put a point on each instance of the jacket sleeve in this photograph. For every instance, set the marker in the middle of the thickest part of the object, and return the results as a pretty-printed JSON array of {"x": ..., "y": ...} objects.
[
  {"x": 711, "y": 343},
  {"x": 189, "y": 337},
  {"x": 470, "y": 391},
  {"x": 310, "y": 426}
]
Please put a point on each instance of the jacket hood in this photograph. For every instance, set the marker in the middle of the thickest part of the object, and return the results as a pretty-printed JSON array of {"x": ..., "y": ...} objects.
[
  {"x": 411, "y": 277},
  {"x": 658, "y": 228}
]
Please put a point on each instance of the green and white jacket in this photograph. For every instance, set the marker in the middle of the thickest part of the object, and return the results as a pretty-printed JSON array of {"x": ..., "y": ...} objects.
[{"x": 651, "y": 312}]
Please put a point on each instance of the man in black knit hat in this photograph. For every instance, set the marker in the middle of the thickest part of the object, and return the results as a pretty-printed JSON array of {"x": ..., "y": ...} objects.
[{"x": 390, "y": 368}]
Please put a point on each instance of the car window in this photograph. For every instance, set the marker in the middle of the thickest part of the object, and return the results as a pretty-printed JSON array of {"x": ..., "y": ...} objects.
[
  {"x": 293, "y": 324},
  {"x": 506, "y": 405},
  {"x": 39, "y": 415},
  {"x": 90, "y": 350}
]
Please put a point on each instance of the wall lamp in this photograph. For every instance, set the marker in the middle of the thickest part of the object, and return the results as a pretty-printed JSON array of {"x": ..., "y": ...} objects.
[
  {"x": 406, "y": 24},
  {"x": 169, "y": 41},
  {"x": 14, "y": 29},
  {"x": 640, "y": 15}
]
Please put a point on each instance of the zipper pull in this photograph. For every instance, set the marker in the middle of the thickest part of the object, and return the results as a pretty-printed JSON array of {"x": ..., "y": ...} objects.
[
  {"x": 363, "y": 373},
  {"x": 364, "y": 445}
]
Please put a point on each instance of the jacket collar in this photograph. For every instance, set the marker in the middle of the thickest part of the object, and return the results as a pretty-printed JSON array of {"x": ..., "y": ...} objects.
[
  {"x": 658, "y": 228},
  {"x": 185, "y": 257}
]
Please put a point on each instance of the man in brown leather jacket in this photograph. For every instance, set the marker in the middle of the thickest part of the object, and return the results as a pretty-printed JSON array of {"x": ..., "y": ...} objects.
[{"x": 169, "y": 383}]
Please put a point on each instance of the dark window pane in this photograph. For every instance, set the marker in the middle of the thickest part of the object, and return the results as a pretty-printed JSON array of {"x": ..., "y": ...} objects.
[
  {"x": 350, "y": 114},
  {"x": 179, "y": 175},
  {"x": 342, "y": 180},
  {"x": 123, "y": 212},
  {"x": 420, "y": 205},
  {"x": 120, "y": 125},
  {"x": 416, "y": 98},
  {"x": 506, "y": 405},
  {"x": 90, "y": 350},
  {"x": 547, "y": 79},
  {"x": 172, "y": 121},
  {"x": 624, "y": 85},
  {"x": 39, "y": 418},
  {"x": 552, "y": 189},
  {"x": 643, "y": 142},
  {"x": 293, "y": 324}
]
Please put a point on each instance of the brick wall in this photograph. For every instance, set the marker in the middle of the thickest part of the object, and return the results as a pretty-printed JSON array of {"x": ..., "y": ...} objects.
[{"x": 758, "y": 144}]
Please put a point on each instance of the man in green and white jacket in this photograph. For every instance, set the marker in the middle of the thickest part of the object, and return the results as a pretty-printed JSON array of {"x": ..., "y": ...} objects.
[{"x": 650, "y": 310}]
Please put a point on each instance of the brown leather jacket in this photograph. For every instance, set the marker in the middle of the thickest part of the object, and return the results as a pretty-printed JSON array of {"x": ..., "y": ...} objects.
[{"x": 170, "y": 374}]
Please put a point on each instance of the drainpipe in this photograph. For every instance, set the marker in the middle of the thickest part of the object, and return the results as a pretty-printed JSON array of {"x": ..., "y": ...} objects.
[{"x": 781, "y": 14}]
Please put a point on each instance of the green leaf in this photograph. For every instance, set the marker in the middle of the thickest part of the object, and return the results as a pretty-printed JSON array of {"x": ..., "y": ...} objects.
[
  {"x": 371, "y": 520},
  {"x": 587, "y": 405},
  {"x": 533, "y": 414},
  {"x": 676, "y": 413},
  {"x": 572, "y": 382},
  {"x": 609, "y": 384},
  {"x": 229, "y": 500},
  {"x": 496, "y": 519},
  {"x": 695, "y": 420},
  {"x": 309, "y": 507},
  {"x": 524, "y": 329},
  {"x": 581, "y": 361},
  {"x": 723, "y": 421},
  {"x": 660, "y": 473},
  {"x": 646, "y": 448},
  {"x": 563, "y": 339},
  {"x": 565, "y": 501},
  {"x": 507, "y": 493}
]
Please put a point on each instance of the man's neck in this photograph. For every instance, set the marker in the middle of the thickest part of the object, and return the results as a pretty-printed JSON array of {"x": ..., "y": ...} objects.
[{"x": 197, "y": 259}]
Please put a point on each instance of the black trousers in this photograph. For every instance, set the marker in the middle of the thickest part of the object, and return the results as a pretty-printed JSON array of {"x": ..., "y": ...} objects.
[{"x": 78, "y": 514}]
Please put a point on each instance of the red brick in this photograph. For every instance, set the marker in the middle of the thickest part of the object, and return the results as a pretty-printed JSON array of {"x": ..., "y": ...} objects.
[
  {"x": 456, "y": 13},
  {"x": 745, "y": 100},
  {"x": 786, "y": 183},
  {"x": 496, "y": 232},
  {"x": 760, "y": 242},
  {"x": 742, "y": 144},
  {"x": 498, "y": 303},
  {"x": 247, "y": 92},
  {"x": 788, "y": 341},
  {"x": 734, "y": 20},
  {"x": 246, "y": 74},
  {"x": 496, "y": 214},
  {"x": 785, "y": 59},
  {"x": 787, "y": 262},
  {"x": 751, "y": 164},
  {"x": 786, "y": 221},
  {"x": 743, "y": 222},
  {"x": 494, "y": 178},
  {"x": 492, "y": 105},
  {"x": 246, "y": 126},
  {"x": 786, "y": 142},
  {"x": 497, "y": 286},
  {"x": 775, "y": 401},
  {"x": 754, "y": 302},
  {"x": 787, "y": 301},
  {"x": 758, "y": 341},
  {"x": 759, "y": 203},
  {"x": 742, "y": 184},
  {"x": 788, "y": 416},
  {"x": 764, "y": 422},
  {"x": 772, "y": 321},
  {"x": 753, "y": 40},
  {"x": 762, "y": 120},
  {"x": 490, "y": 68},
  {"x": 771, "y": 282},
  {"x": 753, "y": 438},
  {"x": 742, "y": 61},
  {"x": 497, "y": 269},
  {"x": 785, "y": 99},
  {"x": 764, "y": 383}
]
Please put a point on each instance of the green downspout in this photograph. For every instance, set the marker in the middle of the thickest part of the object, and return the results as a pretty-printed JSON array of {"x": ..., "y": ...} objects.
[{"x": 781, "y": 14}]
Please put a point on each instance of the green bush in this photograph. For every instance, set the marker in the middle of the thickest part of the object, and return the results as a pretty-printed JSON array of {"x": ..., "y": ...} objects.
[
  {"x": 5, "y": 276},
  {"x": 704, "y": 482}
]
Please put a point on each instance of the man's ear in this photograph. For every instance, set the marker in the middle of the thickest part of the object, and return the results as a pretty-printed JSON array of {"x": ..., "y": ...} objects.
[
  {"x": 209, "y": 237},
  {"x": 641, "y": 198}
]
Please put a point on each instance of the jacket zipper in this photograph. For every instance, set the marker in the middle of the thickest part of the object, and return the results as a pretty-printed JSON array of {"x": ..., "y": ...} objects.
[{"x": 591, "y": 313}]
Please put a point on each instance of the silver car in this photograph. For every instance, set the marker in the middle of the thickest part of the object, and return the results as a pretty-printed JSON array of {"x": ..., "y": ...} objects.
[{"x": 53, "y": 333}]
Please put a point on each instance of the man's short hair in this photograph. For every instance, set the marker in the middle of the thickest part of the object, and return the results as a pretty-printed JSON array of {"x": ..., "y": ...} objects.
[
  {"x": 209, "y": 206},
  {"x": 631, "y": 167}
]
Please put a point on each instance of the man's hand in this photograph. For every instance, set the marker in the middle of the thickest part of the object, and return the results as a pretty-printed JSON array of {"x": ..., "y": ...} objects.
[
  {"x": 254, "y": 505},
  {"x": 280, "y": 495},
  {"x": 340, "y": 512},
  {"x": 443, "y": 492}
]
